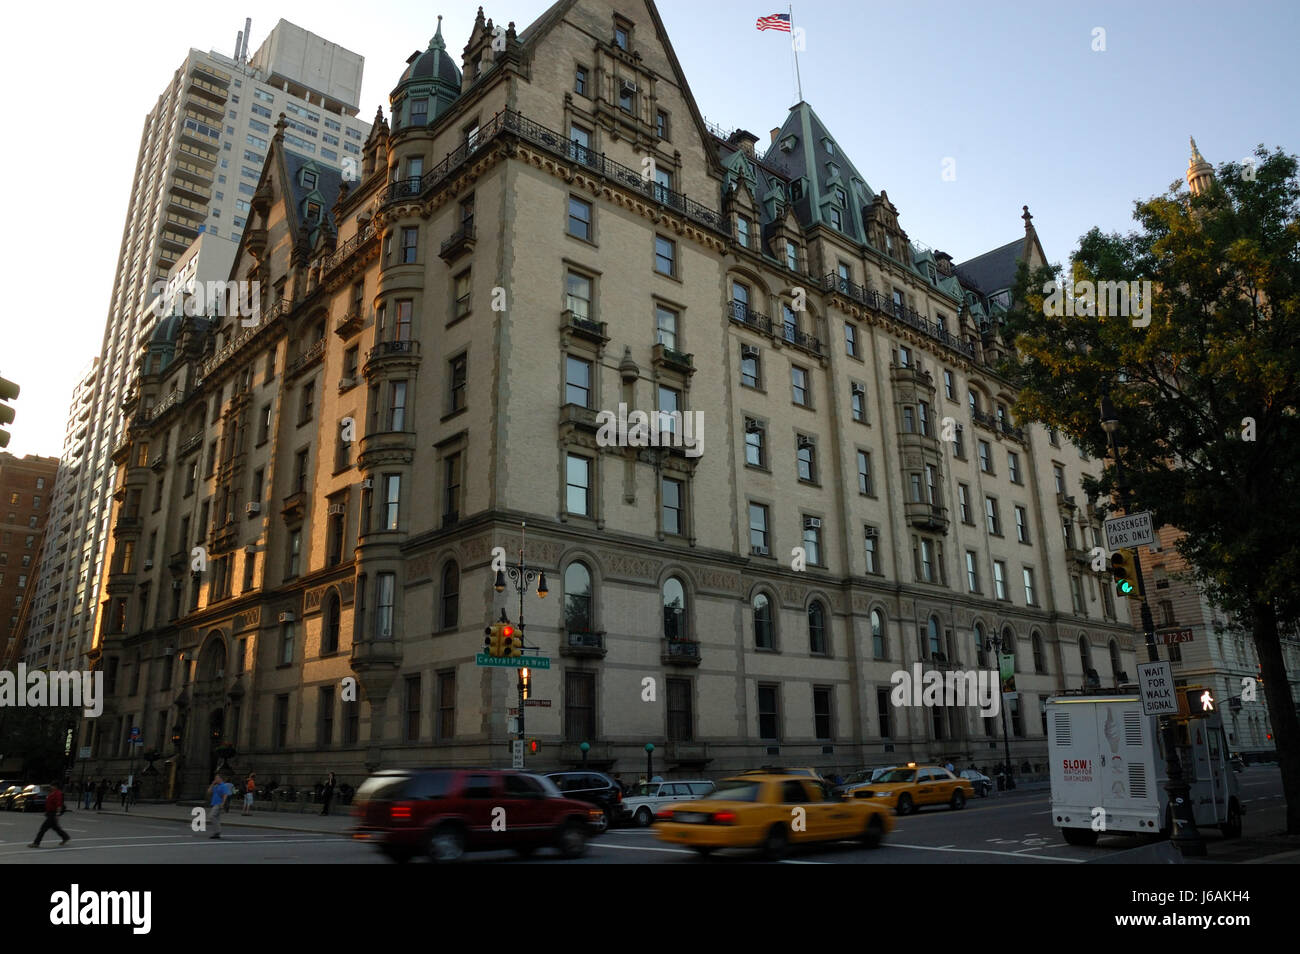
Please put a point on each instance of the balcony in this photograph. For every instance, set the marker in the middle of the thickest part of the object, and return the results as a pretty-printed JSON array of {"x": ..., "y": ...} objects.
[
  {"x": 305, "y": 360},
  {"x": 885, "y": 305},
  {"x": 224, "y": 537},
  {"x": 386, "y": 447},
  {"x": 460, "y": 242},
  {"x": 986, "y": 421},
  {"x": 177, "y": 560},
  {"x": 294, "y": 506},
  {"x": 584, "y": 643},
  {"x": 739, "y": 312},
  {"x": 344, "y": 251},
  {"x": 680, "y": 652},
  {"x": 158, "y": 461},
  {"x": 577, "y": 416},
  {"x": 593, "y": 331},
  {"x": 349, "y": 324},
  {"x": 397, "y": 353},
  {"x": 805, "y": 342},
  {"x": 277, "y": 309},
  {"x": 680, "y": 361},
  {"x": 687, "y": 753},
  {"x": 511, "y": 123},
  {"x": 926, "y": 516},
  {"x": 1015, "y": 433},
  {"x": 193, "y": 442},
  {"x": 1075, "y": 555}
]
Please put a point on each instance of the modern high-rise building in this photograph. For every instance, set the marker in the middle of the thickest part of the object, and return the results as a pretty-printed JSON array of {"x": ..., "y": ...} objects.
[
  {"x": 547, "y": 238},
  {"x": 201, "y": 153}
]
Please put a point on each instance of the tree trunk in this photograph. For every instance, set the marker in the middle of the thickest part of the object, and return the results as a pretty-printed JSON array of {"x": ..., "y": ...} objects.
[{"x": 1281, "y": 710}]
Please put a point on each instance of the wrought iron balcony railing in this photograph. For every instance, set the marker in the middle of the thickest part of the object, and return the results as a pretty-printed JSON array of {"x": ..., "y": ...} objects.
[{"x": 887, "y": 306}]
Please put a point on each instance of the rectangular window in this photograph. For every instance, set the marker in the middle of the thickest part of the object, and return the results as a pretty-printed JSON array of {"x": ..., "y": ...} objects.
[
  {"x": 577, "y": 292},
  {"x": 411, "y": 709},
  {"x": 397, "y": 406},
  {"x": 287, "y": 636},
  {"x": 308, "y": 405},
  {"x": 1013, "y": 466},
  {"x": 1022, "y": 524},
  {"x": 578, "y": 485},
  {"x": 870, "y": 535},
  {"x": 666, "y": 327},
  {"x": 579, "y": 706},
  {"x": 792, "y": 258},
  {"x": 462, "y": 294},
  {"x": 822, "y": 712},
  {"x": 1029, "y": 587},
  {"x": 768, "y": 712},
  {"x": 963, "y": 503},
  {"x": 577, "y": 381},
  {"x": 972, "y": 572},
  {"x": 385, "y": 588},
  {"x": 850, "y": 339},
  {"x": 410, "y": 244},
  {"x": 858, "y": 402},
  {"x": 580, "y": 81},
  {"x": 986, "y": 458},
  {"x": 923, "y": 417},
  {"x": 281, "y": 727},
  {"x": 673, "y": 506},
  {"x": 742, "y": 231},
  {"x": 665, "y": 256},
  {"x": 799, "y": 386},
  {"x": 992, "y": 519},
  {"x": 458, "y": 373},
  {"x": 750, "y": 366},
  {"x": 909, "y": 420},
  {"x": 758, "y": 540},
  {"x": 661, "y": 124},
  {"x": 754, "y": 445},
  {"x": 806, "y": 458},
  {"x": 392, "y": 500},
  {"x": 680, "y": 717},
  {"x": 295, "y": 552},
  {"x": 1058, "y": 475},
  {"x": 883, "y": 711},
  {"x": 999, "y": 579},
  {"x": 301, "y": 472},
  {"x": 864, "y": 474},
  {"x": 812, "y": 540},
  {"x": 579, "y": 218},
  {"x": 948, "y": 391},
  {"x": 325, "y": 727},
  {"x": 451, "y": 489},
  {"x": 446, "y": 705}
]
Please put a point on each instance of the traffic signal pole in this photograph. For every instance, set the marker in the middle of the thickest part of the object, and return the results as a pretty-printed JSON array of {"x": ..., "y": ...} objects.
[{"x": 1186, "y": 837}]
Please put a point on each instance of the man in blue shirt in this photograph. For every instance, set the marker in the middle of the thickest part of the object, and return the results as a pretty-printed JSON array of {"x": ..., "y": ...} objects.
[{"x": 218, "y": 792}]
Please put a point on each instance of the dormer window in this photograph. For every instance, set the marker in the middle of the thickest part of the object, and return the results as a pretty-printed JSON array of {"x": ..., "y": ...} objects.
[
  {"x": 889, "y": 245},
  {"x": 792, "y": 256},
  {"x": 308, "y": 179},
  {"x": 837, "y": 220},
  {"x": 742, "y": 231},
  {"x": 420, "y": 111},
  {"x": 313, "y": 211},
  {"x": 830, "y": 147},
  {"x": 841, "y": 197}
]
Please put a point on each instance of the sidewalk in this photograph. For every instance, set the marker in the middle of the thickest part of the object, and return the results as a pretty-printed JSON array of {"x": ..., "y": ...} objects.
[{"x": 338, "y": 822}]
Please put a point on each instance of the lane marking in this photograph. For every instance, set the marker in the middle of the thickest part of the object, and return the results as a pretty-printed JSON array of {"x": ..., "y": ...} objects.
[{"x": 985, "y": 851}]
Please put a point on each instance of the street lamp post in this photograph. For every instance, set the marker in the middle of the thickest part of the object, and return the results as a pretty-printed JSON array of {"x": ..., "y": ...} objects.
[
  {"x": 994, "y": 645},
  {"x": 649, "y": 761},
  {"x": 521, "y": 575},
  {"x": 1186, "y": 837}
]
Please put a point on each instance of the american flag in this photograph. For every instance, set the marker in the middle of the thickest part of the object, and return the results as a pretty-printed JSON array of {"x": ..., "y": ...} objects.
[{"x": 777, "y": 21}]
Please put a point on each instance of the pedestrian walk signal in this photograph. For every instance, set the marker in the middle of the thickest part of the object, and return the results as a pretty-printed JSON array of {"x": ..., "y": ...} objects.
[{"x": 534, "y": 746}]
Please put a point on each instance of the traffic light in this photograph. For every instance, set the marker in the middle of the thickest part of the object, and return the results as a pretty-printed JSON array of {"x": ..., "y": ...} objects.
[
  {"x": 1200, "y": 701},
  {"x": 1123, "y": 567},
  {"x": 492, "y": 640},
  {"x": 8, "y": 392},
  {"x": 511, "y": 642}
]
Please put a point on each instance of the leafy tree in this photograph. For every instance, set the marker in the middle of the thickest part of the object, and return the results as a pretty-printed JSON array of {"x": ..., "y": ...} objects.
[
  {"x": 38, "y": 735},
  {"x": 1206, "y": 394}
]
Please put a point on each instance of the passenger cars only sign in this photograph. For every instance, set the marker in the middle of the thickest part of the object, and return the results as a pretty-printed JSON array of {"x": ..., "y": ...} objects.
[{"x": 1156, "y": 683}]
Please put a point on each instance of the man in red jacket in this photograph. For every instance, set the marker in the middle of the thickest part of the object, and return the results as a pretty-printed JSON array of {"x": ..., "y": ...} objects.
[{"x": 53, "y": 808}]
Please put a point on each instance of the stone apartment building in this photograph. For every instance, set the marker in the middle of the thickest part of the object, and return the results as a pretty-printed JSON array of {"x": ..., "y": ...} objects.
[
  {"x": 26, "y": 487},
  {"x": 544, "y": 230}
]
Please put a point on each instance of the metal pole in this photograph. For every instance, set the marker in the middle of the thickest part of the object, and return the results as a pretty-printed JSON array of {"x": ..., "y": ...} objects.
[{"x": 1186, "y": 837}]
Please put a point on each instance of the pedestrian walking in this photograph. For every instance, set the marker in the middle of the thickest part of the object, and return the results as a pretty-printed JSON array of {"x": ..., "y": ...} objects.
[
  {"x": 53, "y": 809},
  {"x": 218, "y": 792},
  {"x": 100, "y": 791},
  {"x": 88, "y": 792},
  {"x": 250, "y": 789},
  {"x": 327, "y": 795},
  {"x": 124, "y": 791}
]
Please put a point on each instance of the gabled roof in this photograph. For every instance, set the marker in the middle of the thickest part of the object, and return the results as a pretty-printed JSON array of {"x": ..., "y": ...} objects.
[
  {"x": 807, "y": 150},
  {"x": 993, "y": 271}
]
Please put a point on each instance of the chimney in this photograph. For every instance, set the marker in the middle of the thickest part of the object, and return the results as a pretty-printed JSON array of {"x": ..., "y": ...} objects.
[
  {"x": 775, "y": 132},
  {"x": 744, "y": 140}
]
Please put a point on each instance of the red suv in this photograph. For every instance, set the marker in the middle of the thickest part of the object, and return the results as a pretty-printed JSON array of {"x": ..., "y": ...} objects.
[{"x": 443, "y": 813}]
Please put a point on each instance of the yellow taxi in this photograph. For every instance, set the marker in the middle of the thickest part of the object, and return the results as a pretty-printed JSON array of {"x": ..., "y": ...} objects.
[
  {"x": 909, "y": 787},
  {"x": 770, "y": 813}
]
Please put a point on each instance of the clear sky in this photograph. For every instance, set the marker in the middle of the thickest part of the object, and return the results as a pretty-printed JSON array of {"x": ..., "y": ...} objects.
[{"x": 1011, "y": 90}]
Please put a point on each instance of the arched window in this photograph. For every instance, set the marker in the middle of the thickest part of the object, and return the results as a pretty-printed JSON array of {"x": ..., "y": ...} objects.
[
  {"x": 817, "y": 643},
  {"x": 450, "y": 609},
  {"x": 333, "y": 614},
  {"x": 1009, "y": 646},
  {"x": 577, "y": 598},
  {"x": 932, "y": 632},
  {"x": 763, "y": 622},
  {"x": 980, "y": 653},
  {"x": 1085, "y": 654},
  {"x": 1036, "y": 643},
  {"x": 1114, "y": 661},
  {"x": 877, "y": 634},
  {"x": 674, "y": 609}
]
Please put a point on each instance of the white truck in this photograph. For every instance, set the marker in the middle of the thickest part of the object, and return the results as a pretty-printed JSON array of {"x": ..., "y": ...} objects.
[{"x": 1108, "y": 766}]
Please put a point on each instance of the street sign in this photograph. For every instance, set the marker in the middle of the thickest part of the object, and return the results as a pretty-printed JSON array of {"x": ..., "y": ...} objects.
[
  {"x": 135, "y": 733},
  {"x": 517, "y": 754},
  {"x": 1156, "y": 686},
  {"x": 1178, "y": 636},
  {"x": 1134, "y": 530},
  {"x": 513, "y": 662},
  {"x": 544, "y": 703}
]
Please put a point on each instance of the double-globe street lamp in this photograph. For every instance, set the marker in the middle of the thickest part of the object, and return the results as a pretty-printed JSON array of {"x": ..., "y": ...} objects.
[
  {"x": 1186, "y": 837},
  {"x": 994, "y": 646}
]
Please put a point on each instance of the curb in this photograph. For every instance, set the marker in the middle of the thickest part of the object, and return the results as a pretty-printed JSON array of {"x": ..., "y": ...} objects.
[{"x": 234, "y": 824}]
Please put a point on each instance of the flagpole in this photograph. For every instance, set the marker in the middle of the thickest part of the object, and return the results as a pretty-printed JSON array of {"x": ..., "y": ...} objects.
[{"x": 798, "y": 79}]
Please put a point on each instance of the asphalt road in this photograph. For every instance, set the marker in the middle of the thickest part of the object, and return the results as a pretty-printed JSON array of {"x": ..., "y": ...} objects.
[{"x": 1013, "y": 828}]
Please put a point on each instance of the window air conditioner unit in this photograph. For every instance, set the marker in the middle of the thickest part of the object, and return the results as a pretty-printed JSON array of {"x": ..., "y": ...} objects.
[
  {"x": 805, "y": 441},
  {"x": 286, "y": 617},
  {"x": 345, "y": 383},
  {"x": 870, "y": 531},
  {"x": 368, "y": 484},
  {"x": 758, "y": 551},
  {"x": 752, "y": 426},
  {"x": 252, "y": 506},
  {"x": 859, "y": 389},
  {"x": 148, "y": 564},
  {"x": 336, "y": 508},
  {"x": 812, "y": 523},
  {"x": 749, "y": 351},
  {"x": 629, "y": 86}
]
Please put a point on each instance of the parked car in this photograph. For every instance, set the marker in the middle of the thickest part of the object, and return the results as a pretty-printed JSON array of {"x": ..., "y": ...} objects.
[
  {"x": 858, "y": 779},
  {"x": 755, "y": 811},
  {"x": 777, "y": 770},
  {"x": 596, "y": 788},
  {"x": 32, "y": 798},
  {"x": 910, "y": 786},
  {"x": 647, "y": 799},
  {"x": 983, "y": 784},
  {"x": 443, "y": 813},
  {"x": 8, "y": 795}
]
